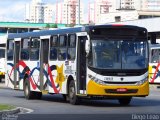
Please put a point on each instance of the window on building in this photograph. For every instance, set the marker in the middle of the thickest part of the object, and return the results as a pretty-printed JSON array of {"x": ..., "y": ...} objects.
[{"x": 117, "y": 18}]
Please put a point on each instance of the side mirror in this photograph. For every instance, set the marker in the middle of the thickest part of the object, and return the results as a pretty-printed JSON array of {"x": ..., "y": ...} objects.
[{"x": 87, "y": 47}]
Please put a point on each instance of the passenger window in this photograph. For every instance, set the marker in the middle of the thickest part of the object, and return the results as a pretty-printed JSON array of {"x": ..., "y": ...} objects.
[
  {"x": 25, "y": 49},
  {"x": 62, "y": 41},
  {"x": 62, "y": 53},
  {"x": 10, "y": 49},
  {"x": 34, "y": 45},
  {"x": 72, "y": 40},
  {"x": 71, "y": 47},
  {"x": 53, "y": 47},
  {"x": 155, "y": 56}
]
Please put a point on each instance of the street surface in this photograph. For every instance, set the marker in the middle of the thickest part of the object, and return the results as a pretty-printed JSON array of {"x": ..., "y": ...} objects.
[{"x": 54, "y": 104}]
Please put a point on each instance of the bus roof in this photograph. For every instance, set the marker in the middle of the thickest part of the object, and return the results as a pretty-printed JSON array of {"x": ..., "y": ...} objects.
[{"x": 66, "y": 30}]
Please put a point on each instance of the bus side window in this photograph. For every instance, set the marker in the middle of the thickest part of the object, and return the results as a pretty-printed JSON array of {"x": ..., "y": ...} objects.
[
  {"x": 71, "y": 47},
  {"x": 53, "y": 47},
  {"x": 10, "y": 48},
  {"x": 62, "y": 53},
  {"x": 34, "y": 47},
  {"x": 25, "y": 49},
  {"x": 155, "y": 55}
]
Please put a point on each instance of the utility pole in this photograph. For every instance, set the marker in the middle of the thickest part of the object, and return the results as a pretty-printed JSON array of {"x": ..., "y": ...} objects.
[{"x": 79, "y": 14}]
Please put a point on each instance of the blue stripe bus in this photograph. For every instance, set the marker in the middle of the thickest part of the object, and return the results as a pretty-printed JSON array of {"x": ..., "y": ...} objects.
[{"x": 100, "y": 61}]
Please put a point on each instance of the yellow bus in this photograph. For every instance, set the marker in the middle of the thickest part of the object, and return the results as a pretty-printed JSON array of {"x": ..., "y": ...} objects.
[{"x": 101, "y": 61}]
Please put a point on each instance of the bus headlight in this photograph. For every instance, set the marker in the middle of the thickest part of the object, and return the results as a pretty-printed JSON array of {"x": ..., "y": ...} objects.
[
  {"x": 96, "y": 80},
  {"x": 141, "y": 82}
]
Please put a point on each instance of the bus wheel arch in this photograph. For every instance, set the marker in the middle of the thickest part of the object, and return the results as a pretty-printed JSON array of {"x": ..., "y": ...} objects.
[
  {"x": 70, "y": 78},
  {"x": 27, "y": 91},
  {"x": 73, "y": 98},
  {"x": 65, "y": 96},
  {"x": 26, "y": 87}
]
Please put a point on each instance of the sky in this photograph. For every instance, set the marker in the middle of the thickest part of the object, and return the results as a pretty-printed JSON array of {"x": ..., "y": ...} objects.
[{"x": 14, "y": 10}]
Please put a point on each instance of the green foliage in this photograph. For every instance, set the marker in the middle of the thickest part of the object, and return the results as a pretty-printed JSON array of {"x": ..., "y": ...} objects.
[
  {"x": 51, "y": 25},
  {"x": 6, "y": 107},
  {"x": 54, "y": 26},
  {"x": 47, "y": 25}
]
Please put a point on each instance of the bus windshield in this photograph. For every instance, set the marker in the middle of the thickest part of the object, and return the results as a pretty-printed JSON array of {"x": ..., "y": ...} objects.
[
  {"x": 118, "y": 54},
  {"x": 2, "y": 53}
]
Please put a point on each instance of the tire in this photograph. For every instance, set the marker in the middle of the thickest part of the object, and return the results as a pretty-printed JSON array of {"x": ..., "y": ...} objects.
[
  {"x": 27, "y": 92},
  {"x": 73, "y": 99},
  {"x": 124, "y": 101}
]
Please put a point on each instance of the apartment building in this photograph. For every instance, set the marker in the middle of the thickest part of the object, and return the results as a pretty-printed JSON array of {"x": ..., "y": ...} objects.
[
  {"x": 67, "y": 12},
  {"x": 105, "y": 11},
  {"x": 39, "y": 12}
]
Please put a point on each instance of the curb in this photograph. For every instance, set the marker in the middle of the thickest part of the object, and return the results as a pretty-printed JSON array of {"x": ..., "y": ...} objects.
[{"x": 12, "y": 111}]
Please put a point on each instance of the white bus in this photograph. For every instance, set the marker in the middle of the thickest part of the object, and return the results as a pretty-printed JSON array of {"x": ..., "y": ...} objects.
[
  {"x": 103, "y": 61},
  {"x": 2, "y": 57},
  {"x": 154, "y": 64}
]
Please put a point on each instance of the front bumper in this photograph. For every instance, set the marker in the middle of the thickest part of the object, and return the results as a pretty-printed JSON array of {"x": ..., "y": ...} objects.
[{"x": 94, "y": 89}]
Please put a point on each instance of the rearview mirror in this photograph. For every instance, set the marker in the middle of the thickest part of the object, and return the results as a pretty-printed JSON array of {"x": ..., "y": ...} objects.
[{"x": 87, "y": 47}]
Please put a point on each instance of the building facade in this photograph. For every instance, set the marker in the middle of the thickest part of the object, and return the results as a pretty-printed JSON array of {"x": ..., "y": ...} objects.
[
  {"x": 150, "y": 5},
  {"x": 67, "y": 12},
  {"x": 105, "y": 11},
  {"x": 39, "y": 12},
  {"x": 99, "y": 9}
]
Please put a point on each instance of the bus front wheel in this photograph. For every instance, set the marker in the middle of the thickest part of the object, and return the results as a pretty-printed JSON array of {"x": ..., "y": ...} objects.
[
  {"x": 73, "y": 99},
  {"x": 125, "y": 101}
]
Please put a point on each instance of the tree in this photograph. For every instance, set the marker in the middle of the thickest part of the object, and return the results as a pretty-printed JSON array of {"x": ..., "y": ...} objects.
[
  {"x": 47, "y": 25},
  {"x": 54, "y": 26}
]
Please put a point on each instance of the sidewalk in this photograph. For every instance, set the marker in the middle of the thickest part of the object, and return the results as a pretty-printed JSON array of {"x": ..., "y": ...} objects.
[{"x": 10, "y": 112}]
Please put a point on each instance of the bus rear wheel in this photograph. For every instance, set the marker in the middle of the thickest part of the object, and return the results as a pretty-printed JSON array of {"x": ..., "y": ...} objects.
[
  {"x": 125, "y": 101},
  {"x": 27, "y": 92},
  {"x": 73, "y": 99},
  {"x": 30, "y": 94}
]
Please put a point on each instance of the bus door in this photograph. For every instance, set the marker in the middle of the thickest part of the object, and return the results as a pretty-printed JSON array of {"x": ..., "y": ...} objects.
[
  {"x": 16, "y": 61},
  {"x": 44, "y": 49},
  {"x": 81, "y": 65}
]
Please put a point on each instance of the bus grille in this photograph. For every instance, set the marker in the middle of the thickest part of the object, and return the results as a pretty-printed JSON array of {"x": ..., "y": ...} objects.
[
  {"x": 121, "y": 92},
  {"x": 121, "y": 83}
]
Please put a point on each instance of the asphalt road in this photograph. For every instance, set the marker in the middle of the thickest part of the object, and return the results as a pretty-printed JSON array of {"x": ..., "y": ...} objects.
[{"x": 55, "y": 105}]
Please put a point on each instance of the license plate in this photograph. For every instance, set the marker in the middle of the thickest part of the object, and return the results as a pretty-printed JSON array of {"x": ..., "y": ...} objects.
[{"x": 121, "y": 90}]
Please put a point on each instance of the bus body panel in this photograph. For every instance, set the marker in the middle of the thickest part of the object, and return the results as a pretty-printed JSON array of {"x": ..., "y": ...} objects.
[
  {"x": 57, "y": 77},
  {"x": 9, "y": 78},
  {"x": 154, "y": 76},
  {"x": 154, "y": 64}
]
